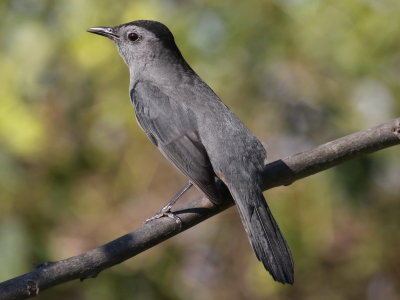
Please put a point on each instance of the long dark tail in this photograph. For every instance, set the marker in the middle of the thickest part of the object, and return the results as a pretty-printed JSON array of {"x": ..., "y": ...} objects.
[{"x": 263, "y": 231}]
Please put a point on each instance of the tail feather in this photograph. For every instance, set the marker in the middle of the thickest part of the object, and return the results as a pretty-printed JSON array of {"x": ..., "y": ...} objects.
[{"x": 265, "y": 237}]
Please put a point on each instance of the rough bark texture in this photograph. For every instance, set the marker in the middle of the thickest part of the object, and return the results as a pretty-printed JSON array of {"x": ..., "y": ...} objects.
[{"x": 280, "y": 172}]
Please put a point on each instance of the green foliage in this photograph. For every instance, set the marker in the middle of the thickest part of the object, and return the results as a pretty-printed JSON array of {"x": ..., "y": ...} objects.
[{"x": 76, "y": 171}]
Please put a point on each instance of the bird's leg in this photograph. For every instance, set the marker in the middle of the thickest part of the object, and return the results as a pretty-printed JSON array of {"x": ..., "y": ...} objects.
[{"x": 166, "y": 210}]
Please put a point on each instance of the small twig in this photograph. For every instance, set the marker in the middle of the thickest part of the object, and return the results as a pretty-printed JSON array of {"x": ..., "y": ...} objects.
[{"x": 280, "y": 172}]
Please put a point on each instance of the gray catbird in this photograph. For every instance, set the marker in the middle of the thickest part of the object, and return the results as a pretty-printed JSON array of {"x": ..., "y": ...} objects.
[{"x": 199, "y": 134}]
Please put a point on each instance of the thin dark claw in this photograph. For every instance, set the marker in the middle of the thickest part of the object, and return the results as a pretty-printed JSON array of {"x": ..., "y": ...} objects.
[
  {"x": 166, "y": 210},
  {"x": 175, "y": 218}
]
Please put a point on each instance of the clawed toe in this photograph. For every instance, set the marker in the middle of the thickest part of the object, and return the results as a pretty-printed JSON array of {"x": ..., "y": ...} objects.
[{"x": 166, "y": 212}]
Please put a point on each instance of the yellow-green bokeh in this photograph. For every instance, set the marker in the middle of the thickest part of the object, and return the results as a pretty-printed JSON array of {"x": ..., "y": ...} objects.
[{"x": 76, "y": 171}]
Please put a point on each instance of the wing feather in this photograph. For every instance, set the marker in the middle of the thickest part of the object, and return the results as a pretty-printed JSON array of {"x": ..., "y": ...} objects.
[{"x": 172, "y": 127}]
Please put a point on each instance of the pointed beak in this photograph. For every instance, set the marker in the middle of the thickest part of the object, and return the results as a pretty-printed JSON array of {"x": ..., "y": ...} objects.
[{"x": 104, "y": 31}]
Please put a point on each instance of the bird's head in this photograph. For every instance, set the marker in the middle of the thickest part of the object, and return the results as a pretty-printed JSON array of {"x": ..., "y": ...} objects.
[{"x": 141, "y": 42}]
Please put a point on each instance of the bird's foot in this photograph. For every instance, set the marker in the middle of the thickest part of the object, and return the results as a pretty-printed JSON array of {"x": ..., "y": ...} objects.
[{"x": 166, "y": 212}]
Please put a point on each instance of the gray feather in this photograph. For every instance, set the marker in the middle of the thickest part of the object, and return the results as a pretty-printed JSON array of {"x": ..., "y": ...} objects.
[
  {"x": 264, "y": 234},
  {"x": 199, "y": 134}
]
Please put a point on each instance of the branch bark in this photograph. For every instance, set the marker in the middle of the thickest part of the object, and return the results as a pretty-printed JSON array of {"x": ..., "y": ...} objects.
[{"x": 281, "y": 172}]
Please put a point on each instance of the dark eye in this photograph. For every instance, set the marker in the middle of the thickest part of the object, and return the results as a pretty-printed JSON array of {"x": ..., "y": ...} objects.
[{"x": 133, "y": 36}]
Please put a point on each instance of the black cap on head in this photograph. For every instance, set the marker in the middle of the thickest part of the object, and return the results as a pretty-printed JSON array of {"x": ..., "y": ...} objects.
[{"x": 158, "y": 29}]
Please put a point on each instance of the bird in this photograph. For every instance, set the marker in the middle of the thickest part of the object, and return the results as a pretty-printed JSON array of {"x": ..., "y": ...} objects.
[{"x": 190, "y": 125}]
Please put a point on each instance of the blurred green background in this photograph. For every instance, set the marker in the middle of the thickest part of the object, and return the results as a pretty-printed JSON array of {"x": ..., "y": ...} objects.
[{"x": 76, "y": 171}]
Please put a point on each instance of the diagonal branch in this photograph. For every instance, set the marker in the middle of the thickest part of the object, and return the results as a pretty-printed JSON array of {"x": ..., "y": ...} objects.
[{"x": 280, "y": 172}]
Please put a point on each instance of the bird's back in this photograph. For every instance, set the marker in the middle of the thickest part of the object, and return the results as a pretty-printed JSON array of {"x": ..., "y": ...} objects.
[{"x": 228, "y": 142}]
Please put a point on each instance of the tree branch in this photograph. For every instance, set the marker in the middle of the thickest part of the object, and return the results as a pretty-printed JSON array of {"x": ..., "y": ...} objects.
[{"x": 280, "y": 172}]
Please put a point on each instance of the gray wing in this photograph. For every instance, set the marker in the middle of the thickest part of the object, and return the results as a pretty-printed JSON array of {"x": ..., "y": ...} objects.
[{"x": 171, "y": 126}]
